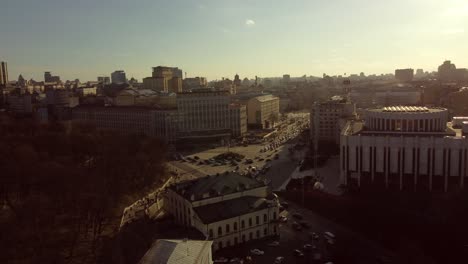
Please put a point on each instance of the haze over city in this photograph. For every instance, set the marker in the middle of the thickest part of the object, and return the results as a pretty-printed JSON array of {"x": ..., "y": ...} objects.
[{"x": 81, "y": 39}]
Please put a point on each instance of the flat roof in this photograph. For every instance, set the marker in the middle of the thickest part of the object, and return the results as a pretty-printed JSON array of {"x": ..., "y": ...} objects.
[
  {"x": 407, "y": 109},
  {"x": 176, "y": 251},
  {"x": 216, "y": 212}
]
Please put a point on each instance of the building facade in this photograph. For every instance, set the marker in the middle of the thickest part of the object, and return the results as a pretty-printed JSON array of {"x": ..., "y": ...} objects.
[
  {"x": 404, "y": 148},
  {"x": 118, "y": 77},
  {"x": 263, "y": 111},
  {"x": 404, "y": 75},
  {"x": 165, "y": 79},
  {"x": 229, "y": 209},
  {"x": 238, "y": 120},
  {"x": 325, "y": 124},
  {"x": 3, "y": 74},
  {"x": 130, "y": 120}
]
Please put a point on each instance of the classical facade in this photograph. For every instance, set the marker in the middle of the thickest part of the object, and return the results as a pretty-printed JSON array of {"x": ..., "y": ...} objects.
[
  {"x": 229, "y": 208},
  {"x": 404, "y": 148}
]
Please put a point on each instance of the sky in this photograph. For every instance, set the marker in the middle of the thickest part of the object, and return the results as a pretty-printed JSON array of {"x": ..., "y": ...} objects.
[{"x": 219, "y": 38}]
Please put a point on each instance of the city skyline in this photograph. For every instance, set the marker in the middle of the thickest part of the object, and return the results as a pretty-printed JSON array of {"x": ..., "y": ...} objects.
[{"x": 215, "y": 40}]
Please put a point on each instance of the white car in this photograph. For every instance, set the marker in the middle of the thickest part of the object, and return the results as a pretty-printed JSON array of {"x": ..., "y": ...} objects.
[
  {"x": 257, "y": 252},
  {"x": 279, "y": 260},
  {"x": 274, "y": 244}
]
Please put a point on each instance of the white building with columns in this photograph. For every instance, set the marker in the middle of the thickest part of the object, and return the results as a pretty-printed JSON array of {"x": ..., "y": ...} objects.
[
  {"x": 229, "y": 208},
  {"x": 405, "y": 148}
]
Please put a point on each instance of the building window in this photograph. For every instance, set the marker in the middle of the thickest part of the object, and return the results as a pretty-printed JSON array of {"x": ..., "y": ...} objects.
[
  {"x": 264, "y": 218},
  {"x": 250, "y": 236},
  {"x": 265, "y": 232},
  {"x": 258, "y": 233},
  {"x": 242, "y": 224},
  {"x": 227, "y": 228},
  {"x": 250, "y": 221},
  {"x": 235, "y": 241},
  {"x": 243, "y": 238},
  {"x": 220, "y": 245},
  {"x": 235, "y": 226},
  {"x": 220, "y": 231},
  {"x": 228, "y": 243},
  {"x": 257, "y": 220},
  {"x": 274, "y": 229},
  {"x": 211, "y": 233},
  {"x": 274, "y": 215}
]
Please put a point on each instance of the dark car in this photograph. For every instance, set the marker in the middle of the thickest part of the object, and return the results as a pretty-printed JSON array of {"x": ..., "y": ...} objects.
[
  {"x": 297, "y": 216},
  {"x": 305, "y": 224}
]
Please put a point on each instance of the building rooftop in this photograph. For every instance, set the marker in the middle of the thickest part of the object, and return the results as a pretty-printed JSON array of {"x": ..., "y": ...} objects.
[
  {"x": 265, "y": 98},
  {"x": 176, "y": 251},
  {"x": 408, "y": 109},
  {"x": 215, "y": 212},
  {"x": 216, "y": 185}
]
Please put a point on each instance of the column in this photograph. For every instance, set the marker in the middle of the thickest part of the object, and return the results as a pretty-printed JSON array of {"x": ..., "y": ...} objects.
[
  {"x": 464, "y": 165},
  {"x": 373, "y": 154},
  {"x": 401, "y": 150},
  {"x": 446, "y": 171}
]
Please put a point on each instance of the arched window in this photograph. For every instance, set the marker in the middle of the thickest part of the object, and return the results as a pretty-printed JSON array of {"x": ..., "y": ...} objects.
[
  {"x": 250, "y": 236},
  {"x": 227, "y": 229},
  {"x": 265, "y": 232},
  {"x": 258, "y": 233},
  {"x": 243, "y": 238},
  {"x": 250, "y": 221},
  {"x": 211, "y": 233},
  {"x": 235, "y": 226},
  {"x": 257, "y": 220},
  {"x": 235, "y": 241},
  {"x": 242, "y": 224},
  {"x": 220, "y": 231}
]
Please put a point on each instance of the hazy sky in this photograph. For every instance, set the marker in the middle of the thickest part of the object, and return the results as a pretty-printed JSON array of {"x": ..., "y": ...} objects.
[{"x": 219, "y": 38}]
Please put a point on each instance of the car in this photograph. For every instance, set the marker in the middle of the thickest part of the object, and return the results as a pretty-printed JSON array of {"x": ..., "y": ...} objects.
[
  {"x": 261, "y": 159},
  {"x": 221, "y": 260},
  {"x": 313, "y": 236},
  {"x": 305, "y": 224},
  {"x": 298, "y": 253},
  {"x": 279, "y": 260},
  {"x": 283, "y": 219},
  {"x": 235, "y": 260},
  {"x": 273, "y": 244},
  {"x": 257, "y": 252},
  {"x": 201, "y": 163},
  {"x": 297, "y": 216},
  {"x": 307, "y": 247},
  {"x": 296, "y": 226}
]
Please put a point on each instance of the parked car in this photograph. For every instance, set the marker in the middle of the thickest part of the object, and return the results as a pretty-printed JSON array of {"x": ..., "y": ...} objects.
[
  {"x": 283, "y": 219},
  {"x": 279, "y": 260},
  {"x": 307, "y": 247},
  {"x": 273, "y": 244},
  {"x": 297, "y": 216},
  {"x": 257, "y": 252},
  {"x": 298, "y": 253}
]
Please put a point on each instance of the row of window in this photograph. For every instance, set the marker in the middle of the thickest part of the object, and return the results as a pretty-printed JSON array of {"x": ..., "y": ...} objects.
[
  {"x": 252, "y": 235},
  {"x": 228, "y": 226}
]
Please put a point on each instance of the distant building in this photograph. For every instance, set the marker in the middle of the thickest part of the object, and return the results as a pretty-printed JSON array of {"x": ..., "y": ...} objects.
[
  {"x": 170, "y": 251},
  {"x": 404, "y": 75},
  {"x": 404, "y": 148},
  {"x": 328, "y": 118},
  {"x": 60, "y": 98},
  {"x": 229, "y": 209},
  {"x": 49, "y": 78},
  {"x": 263, "y": 111},
  {"x": 386, "y": 95},
  {"x": 118, "y": 77},
  {"x": 3, "y": 74},
  {"x": 286, "y": 78},
  {"x": 237, "y": 81},
  {"x": 165, "y": 79},
  {"x": 130, "y": 120},
  {"x": 85, "y": 91},
  {"x": 238, "y": 120},
  {"x": 194, "y": 83},
  {"x": 20, "y": 103},
  {"x": 104, "y": 80}
]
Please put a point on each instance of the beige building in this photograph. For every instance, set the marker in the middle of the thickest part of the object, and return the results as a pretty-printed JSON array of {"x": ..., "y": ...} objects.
[
  {"x": 263, "y": 111},
  {"x": 165, "y": 79},
  {"x": 229, "y": 208},
  {"x": 325, "y": 119},
  {"x": 404, "y": 148},
  {"x": 171, "y": 251}
]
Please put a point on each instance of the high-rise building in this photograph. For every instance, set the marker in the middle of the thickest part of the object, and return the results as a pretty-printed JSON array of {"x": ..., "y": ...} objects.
[
  {"x": 404, "y": 148},
  {"x": 3, "y": 74},
  {"x": 194, "y": 83},
  {"x": 447, "y": 71},
  {"x": 165, "y": 79},
  {"x": 327, "y": 118},
  {"x": 286, "y": 78},
  {"x": 118, "y": 77},
  {"x": 103, "y": 80},
  {"x": 48, "y": 78},
  {"x": 404, "y": 75}
]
